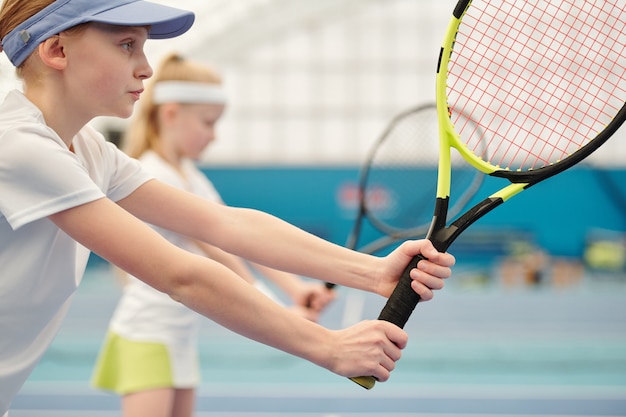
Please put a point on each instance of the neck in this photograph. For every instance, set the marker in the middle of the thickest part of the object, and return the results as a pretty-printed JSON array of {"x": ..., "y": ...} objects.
[
  {"x": 169, "y": 156},
  {"x": 58, "y": 114}
]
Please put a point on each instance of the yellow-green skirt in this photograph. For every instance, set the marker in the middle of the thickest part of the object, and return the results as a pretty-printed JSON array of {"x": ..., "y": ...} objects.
[{"x": 125, "y": 366}]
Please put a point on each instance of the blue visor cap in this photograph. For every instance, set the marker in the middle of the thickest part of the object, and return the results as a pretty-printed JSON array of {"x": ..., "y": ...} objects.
[{"x": 163, "y": 22}]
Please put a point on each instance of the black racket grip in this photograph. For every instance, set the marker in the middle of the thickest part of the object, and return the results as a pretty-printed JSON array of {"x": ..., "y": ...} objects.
[
  {"x": 403, "y": 299},
  {"x": 397, "y": 310}
]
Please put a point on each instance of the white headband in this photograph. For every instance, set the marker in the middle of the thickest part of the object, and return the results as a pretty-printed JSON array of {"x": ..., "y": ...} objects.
[{"x": 188, "y": 92}]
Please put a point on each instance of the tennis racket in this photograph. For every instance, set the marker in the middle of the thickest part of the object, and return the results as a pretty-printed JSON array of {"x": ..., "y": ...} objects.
[
  {"x": 545, "y": 81},
  {"x": 404, "y": 157}
]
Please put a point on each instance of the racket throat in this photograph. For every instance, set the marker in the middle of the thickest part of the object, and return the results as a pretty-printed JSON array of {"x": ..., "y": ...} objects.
[
  {"x": 441, "y": 236},
  {"x": 438, "y": 225}
]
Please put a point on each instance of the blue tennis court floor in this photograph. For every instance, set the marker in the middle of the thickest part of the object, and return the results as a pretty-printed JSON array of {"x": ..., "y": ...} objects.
[{"x": 472, "y": 352}]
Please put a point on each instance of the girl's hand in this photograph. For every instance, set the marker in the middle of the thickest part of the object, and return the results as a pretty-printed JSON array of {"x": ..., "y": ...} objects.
[
  {"x": 428, "y": 275},
  {"x": 314, "y": 296},
  {"x": 368, "y": 348}
]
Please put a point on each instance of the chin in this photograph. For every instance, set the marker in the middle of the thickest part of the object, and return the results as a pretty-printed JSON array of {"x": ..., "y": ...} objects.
[{"x": 122, "y": 114}]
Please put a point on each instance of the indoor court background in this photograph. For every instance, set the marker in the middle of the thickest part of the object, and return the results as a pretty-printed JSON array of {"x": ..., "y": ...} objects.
[{"x": 533, "y": 323}]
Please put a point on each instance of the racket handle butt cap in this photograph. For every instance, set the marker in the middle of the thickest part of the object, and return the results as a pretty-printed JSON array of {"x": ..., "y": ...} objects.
[{"x": 366, "y": 382}]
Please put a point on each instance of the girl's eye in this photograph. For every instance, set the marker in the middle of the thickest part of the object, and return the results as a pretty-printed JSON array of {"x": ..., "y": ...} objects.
[{"x": 128, "y": 45}]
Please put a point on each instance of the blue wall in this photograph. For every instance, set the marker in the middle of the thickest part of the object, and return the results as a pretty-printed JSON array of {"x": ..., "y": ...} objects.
[{"x": 558, "y": 214}]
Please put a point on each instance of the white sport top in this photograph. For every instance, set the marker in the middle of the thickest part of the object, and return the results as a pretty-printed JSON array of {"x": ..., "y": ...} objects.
[{"x": 40, "y": 266}]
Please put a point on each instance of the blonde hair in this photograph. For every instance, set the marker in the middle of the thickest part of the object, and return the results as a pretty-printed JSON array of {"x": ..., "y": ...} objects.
[
  {"x": 143, "y": 133},
  {"x": 15, "y": 12}
]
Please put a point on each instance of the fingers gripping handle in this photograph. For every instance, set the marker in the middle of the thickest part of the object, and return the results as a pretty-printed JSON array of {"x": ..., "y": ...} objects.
[{"x": 397, "y": 310}]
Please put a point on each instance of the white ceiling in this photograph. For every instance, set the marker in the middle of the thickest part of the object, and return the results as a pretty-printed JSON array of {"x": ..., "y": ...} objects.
[{"x": 226, "y": 28}]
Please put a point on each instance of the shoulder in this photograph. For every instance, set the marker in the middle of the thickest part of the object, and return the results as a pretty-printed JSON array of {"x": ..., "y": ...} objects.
[
  {"x": 90, "y": 137},
  {"x": 93, "y": 148},
  {"x": 22, "y": 123},
  {"x": 17, "y": 111},
  {"x": 161, "y": 170}
]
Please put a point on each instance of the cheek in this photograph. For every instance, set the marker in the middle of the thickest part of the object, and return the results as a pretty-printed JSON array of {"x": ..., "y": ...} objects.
[
  {"x": 203, "y": 134},
  {"x": 194, "y": 142},
  {"x": 99, "y": 69},
  {"x": 101, "y": 84}
]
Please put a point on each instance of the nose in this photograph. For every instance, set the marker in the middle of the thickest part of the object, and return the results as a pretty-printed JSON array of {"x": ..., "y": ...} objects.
[
  {"x": 143, "y": 70},
  {"x": 210, "y": 136}
]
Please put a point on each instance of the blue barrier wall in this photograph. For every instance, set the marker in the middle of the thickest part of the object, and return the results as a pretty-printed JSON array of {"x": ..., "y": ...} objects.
[{"x": 559, "y": 213}]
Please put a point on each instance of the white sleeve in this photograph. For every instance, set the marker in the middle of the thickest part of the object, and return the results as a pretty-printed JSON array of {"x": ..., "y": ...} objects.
[
  {"x": 114, "y": 172},
  {"x": 40, "y": 177}
]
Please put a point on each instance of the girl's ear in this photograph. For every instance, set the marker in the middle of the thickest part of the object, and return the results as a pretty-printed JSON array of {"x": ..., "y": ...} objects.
[
  {"x": 168, "y": 112},
  {"x": 52, "y": 54}
]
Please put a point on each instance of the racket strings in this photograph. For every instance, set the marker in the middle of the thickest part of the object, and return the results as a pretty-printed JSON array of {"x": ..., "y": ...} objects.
[
  {"x": 401, "y": 175},
  {"x": 405, "y": 157},
  {"x": 540, "y": 78}
]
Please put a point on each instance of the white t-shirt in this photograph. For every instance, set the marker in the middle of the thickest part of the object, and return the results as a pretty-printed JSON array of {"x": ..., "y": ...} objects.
[
  {"x": 143, "y": 313},
  {"x": 41, "y": 266}
]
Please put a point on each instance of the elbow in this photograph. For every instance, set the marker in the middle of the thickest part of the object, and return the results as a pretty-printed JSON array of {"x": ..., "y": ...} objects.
[
  {"x": 173, "y": 278},
  {"x": 179, "y": 282}
]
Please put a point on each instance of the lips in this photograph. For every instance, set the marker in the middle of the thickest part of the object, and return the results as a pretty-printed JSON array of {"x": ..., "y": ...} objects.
[{"x": 136, "y": 94}]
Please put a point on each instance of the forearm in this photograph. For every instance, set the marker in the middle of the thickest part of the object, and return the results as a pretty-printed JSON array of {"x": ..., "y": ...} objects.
[
  {"x": 256, "y": 316},
  {"x": 289, "y": 283},
  {"x": 239, "y": 267},
  {"x": 269, "y": 241},
  {"x": 232, "y": 262}
]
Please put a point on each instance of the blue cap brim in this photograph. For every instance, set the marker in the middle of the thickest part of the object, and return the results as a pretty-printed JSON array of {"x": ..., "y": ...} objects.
[{"x": 165, "y": 22}]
